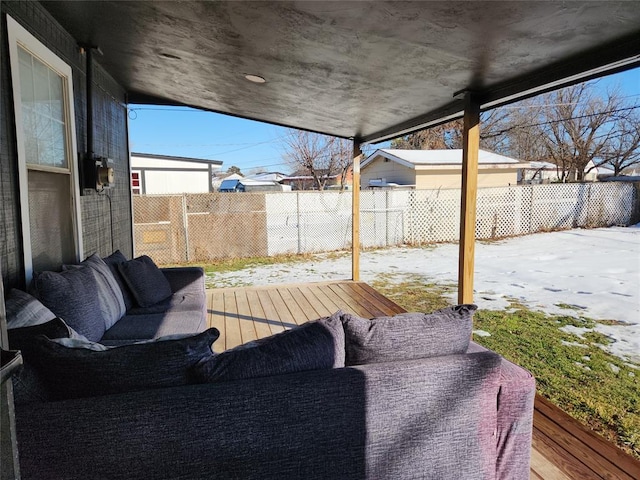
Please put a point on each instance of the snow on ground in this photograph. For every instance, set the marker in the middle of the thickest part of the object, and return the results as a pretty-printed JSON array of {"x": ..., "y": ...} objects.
[{"x": 592, "y": 273}]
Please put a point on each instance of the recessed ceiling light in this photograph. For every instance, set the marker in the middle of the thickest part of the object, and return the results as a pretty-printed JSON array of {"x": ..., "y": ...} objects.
[{"x": 255, "y": 78}]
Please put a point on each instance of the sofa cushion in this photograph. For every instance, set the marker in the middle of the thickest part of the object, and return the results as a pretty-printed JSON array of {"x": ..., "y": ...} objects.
[
  {"x": 73, "y": 296},
  {"x": 311, "y": 346},
  {"x": 407, "y": 336},
  {"x": 25, "y": 310},
  {"x": 146, "y": 281},
  {"x": 28, "y": 386},
  {"x": 110, "y": 297},
  {"x": 112, "y": 261},
  {"x": 83, "y": 372},
  {"x": 146, "y": 327},
  {"x": 178, "y": 302}
]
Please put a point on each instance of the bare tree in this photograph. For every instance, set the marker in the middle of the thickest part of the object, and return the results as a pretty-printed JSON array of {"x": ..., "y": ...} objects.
[
  {"x": 578, "y": 128},
  {"x": 623, "y": 149},
  {"x": 320, "y": 156},
  {"x": 441, "y": 137},
  {"x": 449, "y": 135}
]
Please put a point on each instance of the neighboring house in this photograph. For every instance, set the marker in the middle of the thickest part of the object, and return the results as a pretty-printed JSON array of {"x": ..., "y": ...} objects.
[
  {"x": 217, "y": 179},
  {"x": 251, "y": 185},
  {"x": 430, "y": 169},
  {"x": 268, "y": 176},
  {"x": 302, "y": 180},
  {"x": 547, "y": 172},
  {"x": 164, "y": 174}
]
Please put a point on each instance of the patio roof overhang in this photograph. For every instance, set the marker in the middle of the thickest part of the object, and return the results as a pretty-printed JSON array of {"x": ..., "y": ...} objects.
[{"x": 365, "y": 70}]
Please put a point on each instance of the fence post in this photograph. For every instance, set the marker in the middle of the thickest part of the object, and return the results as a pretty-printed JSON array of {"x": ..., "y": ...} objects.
[
  {"x": 298, "y": 222},
  {"x": 531, "y": 209},
  {"x": 386, "y": 216},
  {"x": 185, "y": 225},
  {"x": 635, "y": 204}
]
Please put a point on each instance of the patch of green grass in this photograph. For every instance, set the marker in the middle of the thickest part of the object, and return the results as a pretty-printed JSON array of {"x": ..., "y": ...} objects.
[
  {"x": 593, "y": 386},
  {"x": 412, "y": 293},
  {"x": 228, "y": 265},
  {"x": 236, "y": 264}
]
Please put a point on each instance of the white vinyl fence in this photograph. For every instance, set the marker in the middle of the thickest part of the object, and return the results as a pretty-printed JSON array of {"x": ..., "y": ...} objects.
[{"x": 210, "y": 226}]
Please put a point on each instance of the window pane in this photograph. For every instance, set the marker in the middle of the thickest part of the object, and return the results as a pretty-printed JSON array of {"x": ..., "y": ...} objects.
[
  {"x": 44, "y": 122},
  {"x": 41, "y": 88},
  {"x": 49, "y": 220},
  {"x": 26, "y": 77},
  {"x": 55, "y": 88}
]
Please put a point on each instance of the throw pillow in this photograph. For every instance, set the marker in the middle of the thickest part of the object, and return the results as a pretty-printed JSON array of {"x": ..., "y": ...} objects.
[
  {"x": 28, "y": 386},
  {"x": 73, "y": 296},
  {"x": 146, "y": 281},
  {"x": 110, "y": 296},
  {"x": 25, "y": 310},
  {"x": 22, "y": 338},
  {"x": 407, "y": 336},
  {"x": 112, "y": 261},
  {"x": 311, "y": 346},
  {"x": 83, "y": 372}
]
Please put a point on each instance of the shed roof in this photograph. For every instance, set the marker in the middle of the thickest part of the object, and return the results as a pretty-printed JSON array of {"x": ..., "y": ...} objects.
[
  {"x": 371, "y": 70},
  {"x": 452, "y": 157},
  {"x": 156, "y": 156}
]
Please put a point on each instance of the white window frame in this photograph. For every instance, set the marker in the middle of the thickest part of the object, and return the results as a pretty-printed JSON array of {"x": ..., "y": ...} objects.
[{"x": 19, "y": 36}]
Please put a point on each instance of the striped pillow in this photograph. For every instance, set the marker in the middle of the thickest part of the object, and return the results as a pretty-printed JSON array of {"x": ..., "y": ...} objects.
[
  {"x": 110, "y": 299},
  {"x": 23, "y": 310}
]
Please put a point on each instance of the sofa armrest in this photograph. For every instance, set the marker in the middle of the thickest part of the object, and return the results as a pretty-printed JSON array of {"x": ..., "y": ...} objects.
[
  {"x": 430, "y": 418},
  {"x": 515, "y": 418},
  {"x": 184, "y": 279}
]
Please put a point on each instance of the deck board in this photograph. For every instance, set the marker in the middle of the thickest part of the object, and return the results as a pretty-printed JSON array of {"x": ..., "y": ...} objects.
[
  {"x": 541, "y": 468},
  {"x": 562, "y": 448},
  {"x": 260, "y": 319},
  {"x": 245, "y": 318}
]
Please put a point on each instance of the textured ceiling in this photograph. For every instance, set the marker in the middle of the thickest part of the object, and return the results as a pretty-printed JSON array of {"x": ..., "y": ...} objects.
[{"x": 351, "y": 69}]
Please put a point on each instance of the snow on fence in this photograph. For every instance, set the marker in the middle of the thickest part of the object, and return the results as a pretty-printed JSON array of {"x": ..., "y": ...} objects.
[{"x": 212, "y": 226}]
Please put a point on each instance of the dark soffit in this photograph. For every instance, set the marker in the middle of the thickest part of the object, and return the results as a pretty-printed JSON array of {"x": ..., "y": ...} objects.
[{"x": 370, "y": 70}]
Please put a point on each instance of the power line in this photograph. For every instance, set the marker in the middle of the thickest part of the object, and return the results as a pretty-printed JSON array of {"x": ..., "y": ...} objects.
[{"x": 549, "y": 122}]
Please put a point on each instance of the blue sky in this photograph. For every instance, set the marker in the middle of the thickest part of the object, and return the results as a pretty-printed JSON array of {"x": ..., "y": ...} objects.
[{"x": 247, "y": 144}]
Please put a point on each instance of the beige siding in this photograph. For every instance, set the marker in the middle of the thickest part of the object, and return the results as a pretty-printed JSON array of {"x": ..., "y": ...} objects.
[
  {"x": 392, "y": 172},
  {"x": 432, "y": 177},
  {"x": 497, "y": 177},
  {"x": 487, "y": 177}
]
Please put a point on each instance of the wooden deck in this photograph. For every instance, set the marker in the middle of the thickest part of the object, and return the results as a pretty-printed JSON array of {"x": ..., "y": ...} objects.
[{"x": 562, "y": 448}]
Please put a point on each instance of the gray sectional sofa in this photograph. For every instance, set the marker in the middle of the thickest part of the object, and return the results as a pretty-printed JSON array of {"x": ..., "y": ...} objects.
[{"x": 339, "y": 398}]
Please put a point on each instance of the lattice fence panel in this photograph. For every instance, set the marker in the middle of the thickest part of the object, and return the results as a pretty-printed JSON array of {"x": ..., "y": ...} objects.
[
  {"x": 499, "y": 212},
  {"x": 431, "y": 216},
  {"x": 610, "y": 204}
]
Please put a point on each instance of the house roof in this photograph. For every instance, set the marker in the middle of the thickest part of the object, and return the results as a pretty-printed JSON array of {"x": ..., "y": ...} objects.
[
  {"x": 431, "y": 158},
  {"x": 371, "y": 70},
  {"x": 155, "y": 156},
  {"x": 268, "y": 176}
]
